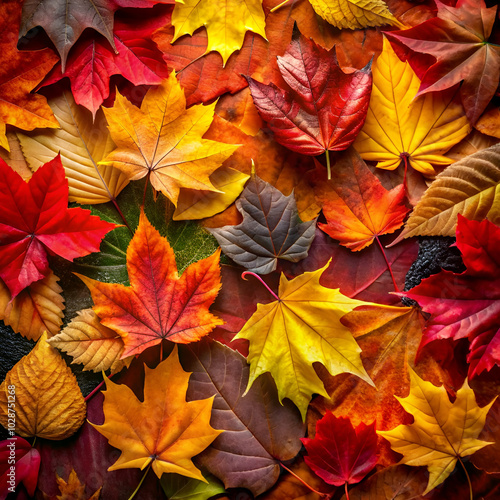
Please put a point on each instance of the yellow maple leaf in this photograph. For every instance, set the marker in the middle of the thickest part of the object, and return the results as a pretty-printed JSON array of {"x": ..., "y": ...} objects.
[
  {"x": 226, "y": 22},
  {"x": 301, "y": 328},
  {"x": 73, "y": 489},
  {"x": 48, "y": 401},
  {"x": 398, "y": 126},
  {"x": 163, "y": 139},
  {"x": 164, "y": 430},
  {"x": 442, "y": 431}
]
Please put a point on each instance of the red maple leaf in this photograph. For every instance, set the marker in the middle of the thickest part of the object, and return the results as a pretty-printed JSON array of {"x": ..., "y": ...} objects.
[
  {"x": 35, "y": 220},
  {"x": 467, "y": 305},
  {"x": 339, "y": 453}
]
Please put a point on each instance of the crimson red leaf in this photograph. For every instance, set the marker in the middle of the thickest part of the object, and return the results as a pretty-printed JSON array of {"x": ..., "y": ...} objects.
[
  {"x": 339, "y": 453},
  {"x": 35, "y": 220}
]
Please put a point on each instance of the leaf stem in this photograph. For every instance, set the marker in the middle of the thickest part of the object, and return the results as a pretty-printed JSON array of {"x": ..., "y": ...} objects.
[
  {"x": 346, "y": 491},
  {"x": 322, "y": 495},
  {"x": 388, "y": 265},
  {"x": 145, "y": 190},
  {"x": 141, "y": 481},
  {"x": 467, "y": 476},
  {"x": 328, "y": 168},
  {"x": 405, "y": 161},
  {"x": 96, "y": 390},
  {"x": 279, "y": 6},
  {"x": 115, "y": 203},
  {"x": 34, "y": 442},
  {"x": 262, "y": 281}
]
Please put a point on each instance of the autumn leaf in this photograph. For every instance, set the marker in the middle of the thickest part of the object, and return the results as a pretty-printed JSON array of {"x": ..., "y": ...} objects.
[
  {"x": 20, "y": 73},
  {"x": 73, "y": 489},
  {"x": 358, "y": 209},
  {"x": 48, "y": 401},
  {"x": 178, "y": 487},
  {"x": 163, "y": 430},
  {"x": 467, "y": 305},
  {"x": 324, "y": 109},
  {"x": 163, "y": 140},
  {"x": 307, "y": 315},
  {"x": 340, "y": 453},
  {"x": 159, "y": 304},
  {"x": 226, "y": 23},
  {"x": 271, "y": 229},
  {"x": 442, "y": 432},
  {"x": 458, "y": 40},
  {"x": 400, "y": 128},
  {"x": 35, "y": 219}
]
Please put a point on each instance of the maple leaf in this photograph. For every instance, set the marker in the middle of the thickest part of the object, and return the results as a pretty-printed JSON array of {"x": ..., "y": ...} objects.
[
  {"x": 339, "y": 453},
  {"x": 442, "y": 432},
  {"x": 400, "y": 128},
  {"x": 92, "y": 62},
  {"x": 271, "y": 229},
  {"x": 163, "y": 140},
  {"x": 35, "y": 219},
  {"x": 467, "y": 304},
  {"x": 307, "y": 315},
  {"x": 163, "y": 430},
  {"x": 20, "y": 72},
  {"x": 458, "y": 40},
  {"x": 325, "y": 109},
  {"x": 42, "y": 378},
  {"x": 159, "y": 304},
  {"x": 72, "y": 489},
  {"x": 226, "y": 22},
  {"x": 358, "y": 209}
]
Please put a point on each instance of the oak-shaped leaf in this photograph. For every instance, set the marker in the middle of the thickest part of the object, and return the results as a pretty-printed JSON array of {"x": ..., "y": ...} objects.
[
  {"x": 35, "y": 220},
  {"x": 259, "y": 432},
  {"x": 458, "y": 40},
  {"x": 467, "y": 305},
  {"x": 163, "y": 140},
  {"x": 442, "y": 432},
  {"x": 271, "y": 229},
  {"x": 163, "y": 430},
  {"x": 300, "y": 328},
  {"x": 340, "y": 453},
  {"x": 324, "y": 109},
  {"x": 49, "y": 403},
  {"x": 158, "y": 304}
]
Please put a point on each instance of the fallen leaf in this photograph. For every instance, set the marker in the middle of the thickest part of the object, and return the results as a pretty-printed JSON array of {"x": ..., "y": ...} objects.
[
  {"x": 400, "y": 128},
  {"x": 339, "y": 453},
  {"x": 163, "y": 140},
  {"x": 159, "y": 304},
  {"x": 164, "y": 430},
  {"x": 90, "y": 343},
  {"x": 73, "y": 489},
  {"x": 35, "y": 220},
  {"x": 178, "y": 487},
  {"x": 489, "y": 123},
  {"x": 259, "y": 432},
  {"x": 36, "y": 309},
  {"x": 458, "y": 40},
  {"x": 49, "y": 403},
  {"x": 14, "y": 157},
  {"x": 226, "y": 23},
  {"x": 442, "y": 432},
  {"x": 271, "y": 229},
  {"x": 308, "y": 316}
]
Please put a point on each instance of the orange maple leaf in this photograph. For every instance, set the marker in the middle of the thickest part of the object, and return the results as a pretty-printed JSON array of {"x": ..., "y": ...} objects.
[{"x": 159, "y": 304}]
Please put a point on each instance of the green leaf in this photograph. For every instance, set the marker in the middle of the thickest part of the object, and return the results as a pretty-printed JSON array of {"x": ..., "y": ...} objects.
[{"x": 178, "y": 487}]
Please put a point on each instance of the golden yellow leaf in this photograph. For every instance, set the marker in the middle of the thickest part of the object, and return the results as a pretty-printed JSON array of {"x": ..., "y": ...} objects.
[
  {"x": 164, "y": 139},
  {"x": 36, "y": 309},
  {"x": 303, "y": 327},
  {"x": 14, "y": 157},
  {"x": 397, "y": 127},
  {"x": 48, "y": 401},
  {"x": 470, "y": 187},
  {"x": 82, "y": 143},
  {"x": 164, "y": 430},
  {"x": 92, "y": 344},
  {"x": 199, "y": 204},
  {"x": 442, "y": 431},
  {"x": 226, "y": 22},
  {"x": 73, "y": 489},
  {"x": 355, "y": 14}
]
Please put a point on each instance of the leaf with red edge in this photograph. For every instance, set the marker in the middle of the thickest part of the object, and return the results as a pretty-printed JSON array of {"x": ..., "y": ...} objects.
[
  {"x": 340, "y": 453},
  {"x": 467, "y": 305},
  {"x": 458, "y": 40},
  {"x": 159, "y": 304},
  {"x": 35, "y": 220},
  {"x": 92, "y": 62},
  {"x": 17, "y": 454},
  {"x": 357, "y": 207},
  {"x": 324, "y": 109}
]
